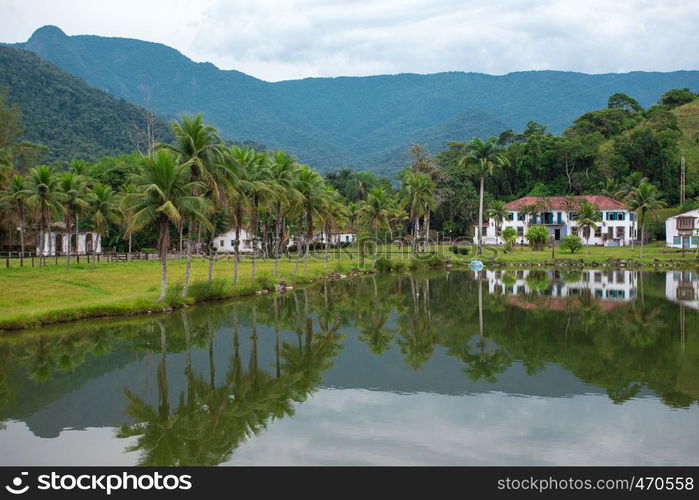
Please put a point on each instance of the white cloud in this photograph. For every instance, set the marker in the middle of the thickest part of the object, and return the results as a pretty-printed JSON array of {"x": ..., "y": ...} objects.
[{"x": 282, "y": 39}]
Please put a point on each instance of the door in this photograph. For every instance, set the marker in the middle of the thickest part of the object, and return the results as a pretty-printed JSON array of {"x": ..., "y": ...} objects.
[
  {"x": 686, "y": 240},
  {"x": 557, "y": 234}
]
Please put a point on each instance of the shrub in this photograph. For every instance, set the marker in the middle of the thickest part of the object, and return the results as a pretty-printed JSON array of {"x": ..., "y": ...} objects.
[
  {"x": 383, "y": 265},
  {"x": 265, "y": 281},
  {"x": 509, "y": 234},
  {"x": 203, "y": 290},
  {"x": 292, "y": 248},
  {"x": 572, "y": 242},
  {"x": 537, "y": 236},
  {"x": 460, "y": 250}
]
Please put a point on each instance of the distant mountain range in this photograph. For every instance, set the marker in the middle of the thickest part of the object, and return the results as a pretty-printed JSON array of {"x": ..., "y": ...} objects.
[
  {"x": 360, "y": 122},
  {"x": 61, "y": 111}
]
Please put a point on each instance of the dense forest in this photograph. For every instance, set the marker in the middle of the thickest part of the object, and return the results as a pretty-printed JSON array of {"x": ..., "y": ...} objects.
[
  {"x": 364, "y": 123},
  {"x": 70, "y": 118}
]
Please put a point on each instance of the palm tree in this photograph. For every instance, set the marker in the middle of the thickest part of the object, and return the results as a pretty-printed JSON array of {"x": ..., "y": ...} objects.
[
  {"x": 199, "y": 147},
  {"x": 645, "y": 198},
  {"x": 310, "y": 186},
  {"x": 485, "y": 156},
  {"x": 418, "y": 198},
  {"x": 498, "y": 212},
  {"x": 105, "y": 209},
  {"x": 166, "y": 195},
  {"x": 16, "y": 197},
  {"x": 588, "y": 217},
  {"x": 127, "y": 211},
  {"x": 376, "y": 210},
  {"x": 75, "y": 202},
  {"x": 46, "y": 198},
  {"x": 631, "y": 184},
  {"x": 283, "y": 170}
]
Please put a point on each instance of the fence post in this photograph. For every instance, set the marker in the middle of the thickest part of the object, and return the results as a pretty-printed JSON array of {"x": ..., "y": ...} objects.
[
  {"x": 7, "y": 260},
  {"x": 21, "y": 259},
  {"x": 32, "y": 260}
]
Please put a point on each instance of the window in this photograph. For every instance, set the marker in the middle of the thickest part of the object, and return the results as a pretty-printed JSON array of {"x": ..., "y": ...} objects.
[
  {"x": 232, "y": 243},
  {"x": 598, "y": 277},
  {"x": 574, "y": 230},
  {"x": 632, "y": 216},
  {"x": 520, "y": 217},
  {"x": 520, "y": 231},
  {"x": 572, "y": 215},
  {"x": 598, "y": 232},
  {"x": 559, "y": 217},
  {"x": 622, "y": 215},
  {"x": 676, "y": 240},
  {"x": 221, "y": 243},
  {"x": 511, "y": 216},
  {"x": 695, "y": 240},
  {"x": 621, "y": 232}
]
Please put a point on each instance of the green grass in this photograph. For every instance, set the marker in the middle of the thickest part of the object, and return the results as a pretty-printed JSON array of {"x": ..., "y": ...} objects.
[{"x": 31, "y": 297}]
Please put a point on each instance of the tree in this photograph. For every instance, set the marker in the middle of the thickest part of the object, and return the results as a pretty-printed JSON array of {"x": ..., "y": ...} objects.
[
  {"x": 310, "y": 187},
  {"x": 75, "y": 202},
  {"x": 166, "y": 195},
  {"x": 676, "y": 97},
  {"x": 283, "y": 170},
  {"x": 497, "y": 212},
  {"x": 587, "y": 218},
  {"x": 199, "y": 146},
  {"x": 47, "y": 199},
  {"x": 485, "y": 156},
  {"x": 376, "y": 210},
  {"x": 104, "y": 204},
  {"x": 509, "y": 236},
  {"x": 572, "y": 242},
  {"x": 418, "y": 198},
  {"x": 623, "y": 101},
  {"x": 16, "y": 197},
  {"x": 537, "y": 236},
  {"x": 645, "y": 199}
]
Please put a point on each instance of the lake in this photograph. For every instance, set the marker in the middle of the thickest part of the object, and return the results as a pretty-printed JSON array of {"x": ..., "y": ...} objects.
[{"x": 459, "y": 368}]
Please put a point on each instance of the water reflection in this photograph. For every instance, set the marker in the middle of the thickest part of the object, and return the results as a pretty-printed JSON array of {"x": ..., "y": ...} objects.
[{"x": 191, "y": 387}]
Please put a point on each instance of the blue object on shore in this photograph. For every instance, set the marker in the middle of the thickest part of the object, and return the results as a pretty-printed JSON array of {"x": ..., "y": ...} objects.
[{"x": 476, "y": 265}]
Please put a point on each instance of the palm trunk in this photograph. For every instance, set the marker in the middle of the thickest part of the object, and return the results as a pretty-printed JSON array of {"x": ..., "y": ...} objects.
[
  {"x": 236, "y": 257},
  {"x": 427, "y": 227},
  {"x": 327, "y": 243},
  {"x": 643, "y": 231},
  {"x": 277, "y": 241},
  {"x": 480, "y": 215},
  {"x": 188, "y": 266},
  {"x": 64, "y": 244},
  {"x": 77, "y": 241},
  {"x": 128, "y": 255},
  {"x": 253, "y": 224},
  {"x": 40, "y": 246},
  {"x": 21, "y": 238},
  {"x": 309, "y": 236},
  {"x": 162, "y": 247}
]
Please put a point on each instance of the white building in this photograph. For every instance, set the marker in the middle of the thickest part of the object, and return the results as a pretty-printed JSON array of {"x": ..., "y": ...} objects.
[
  {"x": 682, "y": 231},
  {"x": 335, "y": 239},
  {"x": 617, "y": 285},
  {"x": 225, "y": 243},
  {"x": 682, "y": 287},
  {"x": 618, "y": 226},
  {"x": 58, "y": 243}
]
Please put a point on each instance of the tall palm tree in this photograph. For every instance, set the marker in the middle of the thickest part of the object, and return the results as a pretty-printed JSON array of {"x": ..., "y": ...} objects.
[
  {"x": 16, "y": 197},
  {"x": 127, "y": 211},
  {"x": 104, "y": 203},
  {"x": 418, "y": 198},
  {"x": 588, "y": 217},
  {"x": 283, "y": 170},
  {"x": 74, "y": 203},
  {"x": 485, "y": 156},
  {"x": 630, "y": 185},
  {"x": 645, "y": 198},
  {"x": 310, "y": 186},
  {"x": 166, "y": 195},
  {"x": 47, "y": 199},
  {"x": 376, "y": 211},
  {"x": 199, "y": 147},
  {"x": 498, "y": 212}
]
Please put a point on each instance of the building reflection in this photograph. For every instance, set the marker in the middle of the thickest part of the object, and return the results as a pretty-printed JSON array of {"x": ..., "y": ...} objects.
[{"x": 683, "y": 287}]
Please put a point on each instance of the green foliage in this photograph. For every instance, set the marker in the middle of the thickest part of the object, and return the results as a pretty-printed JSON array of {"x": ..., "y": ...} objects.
[
  {"x": 62, "y": 112},
  {"x": 572, "y": 242},
  {"x": 538, "y": 236},
  {"x": 509, "y": 234},
  {"x": 460, "y": 250},
  {"x": 676, "y": 97},
  {"x": 384, "y": 265}
]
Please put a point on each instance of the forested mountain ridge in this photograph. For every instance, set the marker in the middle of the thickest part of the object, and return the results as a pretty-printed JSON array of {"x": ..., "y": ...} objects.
[
  {"x": 366, "y": 123},
  {"x": 63, "y": 113}
]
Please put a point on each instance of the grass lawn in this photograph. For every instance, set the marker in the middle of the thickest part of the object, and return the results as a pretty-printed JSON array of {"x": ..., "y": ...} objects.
[{"x": 29, "y": 296}]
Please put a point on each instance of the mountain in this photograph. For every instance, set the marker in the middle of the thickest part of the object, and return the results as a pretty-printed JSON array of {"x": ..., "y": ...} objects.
[
  {"x": 61, "y": 111},
  {"x": 360, "y": 122}
]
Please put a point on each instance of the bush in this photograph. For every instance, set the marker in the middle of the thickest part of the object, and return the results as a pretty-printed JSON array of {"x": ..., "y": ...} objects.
[
  {"x": 537, "y": 236},
  {"x": 383, "y": 265},
  {"x": 460, "y": 250},
  {"x": 265, "y": 281},
  {"x": 572, "y": 242},
  {"x": 509, "y": 234},
  {"x": 292, "y": 248}
]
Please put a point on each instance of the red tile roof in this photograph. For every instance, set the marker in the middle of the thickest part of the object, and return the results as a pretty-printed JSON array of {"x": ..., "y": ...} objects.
[{"x": 559, "y": 202}]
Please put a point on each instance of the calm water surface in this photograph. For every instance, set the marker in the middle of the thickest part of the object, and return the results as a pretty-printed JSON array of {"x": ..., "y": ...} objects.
[{"x": 458, "y": 368}]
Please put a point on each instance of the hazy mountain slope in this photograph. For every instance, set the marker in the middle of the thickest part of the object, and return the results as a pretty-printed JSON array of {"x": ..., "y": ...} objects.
[
  {"x": 344, "y": 121},
  {"x": 62, "y": 112}
]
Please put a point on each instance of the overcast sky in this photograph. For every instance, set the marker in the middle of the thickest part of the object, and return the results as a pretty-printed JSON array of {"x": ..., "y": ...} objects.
[{"x": 286, "y": 39}]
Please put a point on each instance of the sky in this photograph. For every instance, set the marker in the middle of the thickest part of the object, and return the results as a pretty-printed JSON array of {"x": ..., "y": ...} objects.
[{"x": 289, "y": 39}]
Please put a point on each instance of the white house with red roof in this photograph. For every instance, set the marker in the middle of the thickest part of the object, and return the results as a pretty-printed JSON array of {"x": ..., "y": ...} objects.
[{"x": 558, "y": 214}]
